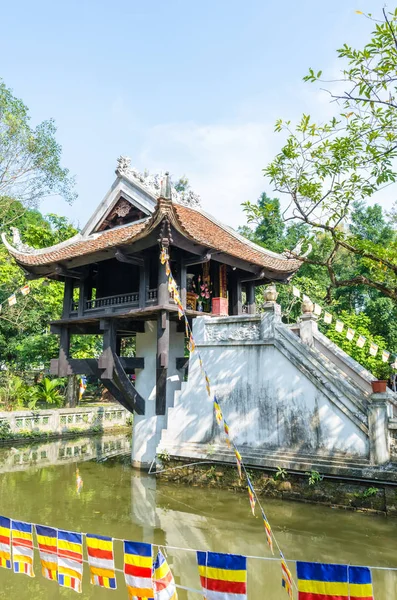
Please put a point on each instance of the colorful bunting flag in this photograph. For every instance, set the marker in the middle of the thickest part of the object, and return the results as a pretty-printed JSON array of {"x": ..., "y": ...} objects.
[
  {"x": 218, "y": 413},
  {"x": 191, "y": 345},
  {"x": 12, "y": 300},
  {"x": 327, "y": 318},
  {"x": 339, "y": 326},
  {"x": 238, "y": 459},
  {"x": 25, "y": 290},
  {"x": 296, "y": 292},
  {"x": 361, "y": 341},
  {"x": 286, "y": 577},
  {"x": 317, "y": 581},
  {"x": 222, "y": 576},
  {"x": 70, "y": 559},
  {"x": 163, "y": 256},
  {"x": 138, "y": 568},
  {"x": 207, "y": 385},
  {"x": 350, "y": 334},
  {"x": 48, "y": 551},
  {"x": 187, "y": 329},
  {"x": 268, "y": 532},
  {"x": 5, "y": 543},
  {"x": 373, "y": 349},
  {"x": 227, "y": 433},
  {"x": 385, "y": 355},
  {"x": 163, "y": 580},
  {"x": 101, "y": 561},
  {"x": 360, "y": 583},
  {"x": 317, "y": 310},
  {"x": 167, "y": 268},
  {"x": 22, "y": 547},
  {"x": 251, "y": 495}
]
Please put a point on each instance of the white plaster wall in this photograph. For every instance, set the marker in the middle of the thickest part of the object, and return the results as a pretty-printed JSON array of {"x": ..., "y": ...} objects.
[
  {"x": 267, "y": 400},
  {"x": 147, "y": 428}
]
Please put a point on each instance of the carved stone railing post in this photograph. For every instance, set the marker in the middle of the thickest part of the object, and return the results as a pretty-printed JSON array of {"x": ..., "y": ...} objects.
[
  {"x": 378, "y": 426},
  {"x": 308, "y": 323}
]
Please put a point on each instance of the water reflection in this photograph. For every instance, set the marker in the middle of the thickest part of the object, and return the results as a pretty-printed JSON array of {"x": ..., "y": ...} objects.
[
  {"x": 120, "y": 502},
  {"x": 20, "y": 458}
]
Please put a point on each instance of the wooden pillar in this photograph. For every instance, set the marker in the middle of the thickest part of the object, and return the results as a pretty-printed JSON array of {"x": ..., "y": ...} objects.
[
  {"x": 67, "y": 297},
  {"x": 250, "y": 291},
  {"x": 236, "y": 290},
  {"x": 163, "y": 296},
  {"x": 163, "y": 343},
  {"x": 142, "y": 286},
  {"x": 183, "y": 283},
  {"x": 82, "y": 296},
  {"x": 64, "y": 352}
]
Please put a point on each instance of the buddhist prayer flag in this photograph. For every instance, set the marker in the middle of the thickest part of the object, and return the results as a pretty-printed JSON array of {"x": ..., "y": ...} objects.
[
  {"x": 207, "y": 385},
  {"x": 82, "y": 386},
  {"x": 360, "y": 583},
  {"x": 350, "y": 334},
  {"x": 327, "y": 318},
  {"x": 167, "y": 268},
  {"x": 317, "y": 310},
  {"x": 222, "y": 576},
  {"x": 339, "y": 326},
  {"x": 268, "y": 531},
  {"x": 251, "y": 495},
  {"x": 286, "y": 577},
  {"x": 218, "y": 413},
  {"x": 238, "y": 459},
  {"x": 12, "y": 300},
  {"x": 191, "y": 345},
  {"x": 70, "y": 560},
  {"x": 163, "y": 256},
  {"x": 25, "y": 290},
  {"x": 385, "y": 355},
  {"x": 296, "y": 292},
  {"x": 373, "y": 349},
  {"x": 187, "y": 332},
  {"x": 138, "y": 567},
  {"x": 5, "y": 543},
  {"x": 361, "y": 341},
  {"x": 318, "y": 581},
  {"x": 227, "y": 433},
  {"x": 22, "y": 547},
  {"x": 101, "y": 560},
  {"x": 48, "y": 551},
  {"x": 163, "y": 580}
]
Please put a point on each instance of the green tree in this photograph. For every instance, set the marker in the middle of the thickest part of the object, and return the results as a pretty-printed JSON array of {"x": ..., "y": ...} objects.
[
  {"x": 30, "y": 158},
  {"x": 325, "y": 168}
]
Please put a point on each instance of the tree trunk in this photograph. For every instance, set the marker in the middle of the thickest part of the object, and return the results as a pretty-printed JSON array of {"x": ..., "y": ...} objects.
[{"x": 72, "y": 391}]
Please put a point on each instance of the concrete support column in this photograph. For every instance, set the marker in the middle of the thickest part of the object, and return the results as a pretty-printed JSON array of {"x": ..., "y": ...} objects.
[
  {"x": 147, "y": 428},
  {"x": 378, "y": 425}
]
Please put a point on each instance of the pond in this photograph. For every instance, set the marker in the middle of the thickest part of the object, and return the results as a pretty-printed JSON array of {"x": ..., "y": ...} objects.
[{"x": 38, "y": 484}]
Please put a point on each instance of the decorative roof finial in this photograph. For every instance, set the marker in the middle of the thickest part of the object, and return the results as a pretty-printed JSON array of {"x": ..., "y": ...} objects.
[
  {"x": 165, "y": 187},
  {"x": 123, "y": 164}
]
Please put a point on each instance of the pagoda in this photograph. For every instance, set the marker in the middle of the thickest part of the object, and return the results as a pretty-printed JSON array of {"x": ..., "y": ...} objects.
[{"x": 115, "y": 285}]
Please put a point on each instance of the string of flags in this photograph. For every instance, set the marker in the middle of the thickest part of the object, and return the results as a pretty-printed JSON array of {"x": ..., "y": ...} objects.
[
  {"x": 147, "y": 573},
  {"x": 13, "y": 299},
  {"x": 286, "y": 578},
  {"x": 361, "y": 340}
]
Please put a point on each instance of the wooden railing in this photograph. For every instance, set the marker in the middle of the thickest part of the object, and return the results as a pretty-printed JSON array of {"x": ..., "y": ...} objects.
[{"x": 131, "y": 299}]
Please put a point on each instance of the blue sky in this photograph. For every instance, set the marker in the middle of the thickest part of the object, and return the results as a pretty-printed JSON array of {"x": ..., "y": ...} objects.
[{"x": 192, "y": 87}]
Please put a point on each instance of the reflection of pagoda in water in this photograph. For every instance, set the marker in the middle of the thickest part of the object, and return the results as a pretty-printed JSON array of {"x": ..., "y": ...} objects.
[{"x": 60, "y": 452}]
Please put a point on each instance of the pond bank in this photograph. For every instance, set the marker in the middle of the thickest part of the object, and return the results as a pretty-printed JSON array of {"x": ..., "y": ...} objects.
[
  {"x": 311, "y": 487},
  {"x": 28, "y": 425}
]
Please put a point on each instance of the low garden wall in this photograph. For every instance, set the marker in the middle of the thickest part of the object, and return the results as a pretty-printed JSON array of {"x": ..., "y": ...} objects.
[{"x": 62, "y": 421}]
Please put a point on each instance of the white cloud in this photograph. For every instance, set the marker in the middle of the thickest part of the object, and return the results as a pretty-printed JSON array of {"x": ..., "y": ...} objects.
[{"x": 223, "y": 162}]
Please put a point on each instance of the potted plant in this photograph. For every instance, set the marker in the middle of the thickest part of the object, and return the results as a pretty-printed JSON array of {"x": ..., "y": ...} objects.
[{"x": 379, "y": 385}]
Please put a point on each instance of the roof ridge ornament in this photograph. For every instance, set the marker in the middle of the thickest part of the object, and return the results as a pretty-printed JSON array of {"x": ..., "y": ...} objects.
[
  {"x": 152, "y": 184},
  {"x": 17, "y": 242}
]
